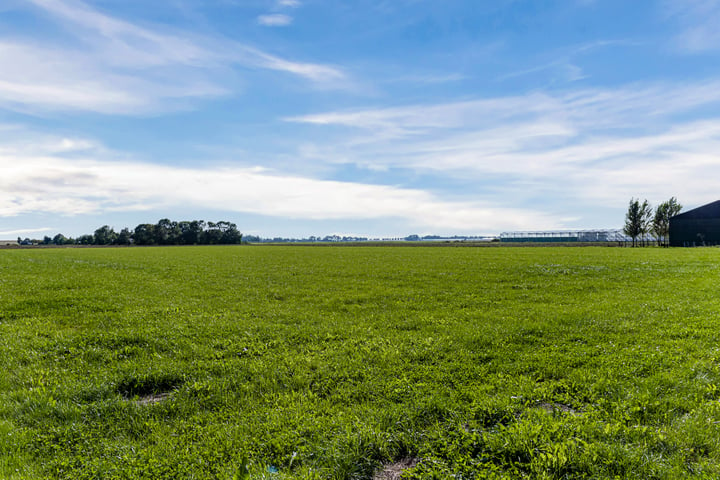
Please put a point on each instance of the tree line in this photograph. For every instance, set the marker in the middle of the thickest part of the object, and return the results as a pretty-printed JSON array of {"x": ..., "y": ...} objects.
[
  {"x": 641, "y": 220},
  {"x": 164, "y": 232}
]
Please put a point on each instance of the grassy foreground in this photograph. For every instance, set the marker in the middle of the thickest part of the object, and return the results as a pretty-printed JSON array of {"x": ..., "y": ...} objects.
[{"x": 318, "y": 363}]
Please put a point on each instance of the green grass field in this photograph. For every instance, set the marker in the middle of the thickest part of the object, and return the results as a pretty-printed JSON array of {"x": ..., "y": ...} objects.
[{"x": 318, "y": 363}]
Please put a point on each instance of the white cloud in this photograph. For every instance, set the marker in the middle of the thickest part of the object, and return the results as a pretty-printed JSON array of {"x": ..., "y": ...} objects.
[
  {"x": 536, "y": 160},
  {"x": 64, "y": 176},
  {"x": 275, "y": 20},
  {"x": 698, "y": 20},
  {"x": 589, "y": 109},
  {"x": 319, "y": 73},
  {"x": 289, "y": 3},
  {"x": 108, "y": 65},
  {"x": 56, "y": 79},
  {"x": 596, "y": 146},
  {"x": 564, "y": 66},
  {"x": 25, "y": 231}
]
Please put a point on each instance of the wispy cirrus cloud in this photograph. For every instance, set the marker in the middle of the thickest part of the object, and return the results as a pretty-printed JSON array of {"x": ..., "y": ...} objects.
[
  {"x": 275, "y": 20},
  {"x": 25, "y": 231},
  {"x": 105, "y": 64},
  {"x": 279, "y": 19},
  {"x": 591, "y": 145},
  {"x": 698, "y": 21},
  {"x": 49, "y": 78},
  {"x": 590, "y": 108},
  {"x": 68, "y": 176}
]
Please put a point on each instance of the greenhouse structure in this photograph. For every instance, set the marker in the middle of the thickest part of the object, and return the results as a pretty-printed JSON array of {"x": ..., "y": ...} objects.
[{"x": 565, "y": 236}]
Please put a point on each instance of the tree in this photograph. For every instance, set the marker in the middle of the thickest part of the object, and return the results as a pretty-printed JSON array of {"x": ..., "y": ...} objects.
[
  {"x": 59, "y": 239},
  {"x": 165, "y": 231},
  {"x": 144, "y": 234},
  {"x": 661, "y": 221},
  {"x": 124, "y": 237},
  {"x": 85, "y": 239},
  {"x": 191, "y": 232},
  {"x": 637, "y": 219},
  {"x": 230, "y": 234},
  {"x": 213, "y": 234},
  {"x": 104, "y": 235},
  {"x": 646, "y": 221}
]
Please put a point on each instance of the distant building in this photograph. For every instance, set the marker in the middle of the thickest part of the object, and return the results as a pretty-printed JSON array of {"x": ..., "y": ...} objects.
[
  {"x": 8, "y": 243},
  {"x": 696, "y": 228},
  {"x": 564, "y": 236}
]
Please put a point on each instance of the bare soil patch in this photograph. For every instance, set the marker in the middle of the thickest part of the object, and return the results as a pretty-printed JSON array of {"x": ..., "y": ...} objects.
[
  {"x": 152, "y": 399},
  {"x": 394, "y": 471}
]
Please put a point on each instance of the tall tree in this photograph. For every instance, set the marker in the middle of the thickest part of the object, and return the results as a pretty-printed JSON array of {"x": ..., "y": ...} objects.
[
  {"x": 124, "y": 237},
  {"x": 230, "y": 234},
  {"x": 59, "y": 239},
  {"x": 191, "y": 231},
  {"x": 144, "y": 234},
  {"x": 646, "y": 216},
  {"x": 167, "y": 232},
  {"x": 661, "y": 221},
  {"x": 85, "y": 239},
  {"x": 104, "y": 235},
  {"x": 637, "y": 219},
  {"x": 213, "y": 234}
]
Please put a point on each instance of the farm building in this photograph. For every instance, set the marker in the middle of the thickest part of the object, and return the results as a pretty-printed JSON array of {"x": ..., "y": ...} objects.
[
  {"x": 697, "y": 227},
  {"x": 8, "y": 243}
]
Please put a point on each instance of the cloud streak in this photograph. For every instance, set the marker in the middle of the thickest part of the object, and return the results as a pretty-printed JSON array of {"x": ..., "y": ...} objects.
[
  {"x": 62, "y": 177},
  {"x": 108, "y": 65},
  {"x": 25, "y": 231},
  {"x": 597, "y": 146},
  {"x": 592, "y": 147},
  {"x": 698, "y": 20},
  {"x": 275, "y": 20}
]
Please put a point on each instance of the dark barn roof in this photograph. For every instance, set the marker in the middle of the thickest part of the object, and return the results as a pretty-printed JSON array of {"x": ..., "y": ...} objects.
[
  {"x": 711, "y": 210},
  {"x": 697, "y": 227}
]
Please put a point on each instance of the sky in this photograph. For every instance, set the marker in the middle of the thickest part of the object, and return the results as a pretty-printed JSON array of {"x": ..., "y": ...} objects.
[{"x": 373, "y": 118}]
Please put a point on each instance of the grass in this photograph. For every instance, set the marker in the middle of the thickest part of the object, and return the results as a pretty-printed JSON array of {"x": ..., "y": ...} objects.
[{"x": 328, "y": 363}]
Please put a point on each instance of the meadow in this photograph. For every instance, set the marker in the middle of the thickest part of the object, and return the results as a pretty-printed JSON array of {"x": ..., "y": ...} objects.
[{"x": 285, "y": 362}]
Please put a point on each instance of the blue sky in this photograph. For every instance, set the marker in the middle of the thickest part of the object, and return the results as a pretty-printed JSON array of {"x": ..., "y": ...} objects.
[{"x": 365, "y": 117}]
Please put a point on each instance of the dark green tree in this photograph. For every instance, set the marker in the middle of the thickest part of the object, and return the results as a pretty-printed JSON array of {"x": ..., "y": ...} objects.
[
  {"x": 144, "y": 234},
  {"x": 124, "y": 237},
  {"x": 213, "y": 234},
  {"x": 230, "y": 234},
  {"x": 191, "y": 231},
  {"x": 661, "y": 221},
  {"x": 646, "y": 222},
  {"x": 167, "y": 232},
  {"x": 637, "y": 220},
  {"x": 85, "y": 240},
  {"x": 104, "y": 235},
  {"x": 60, "y": 239}
]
